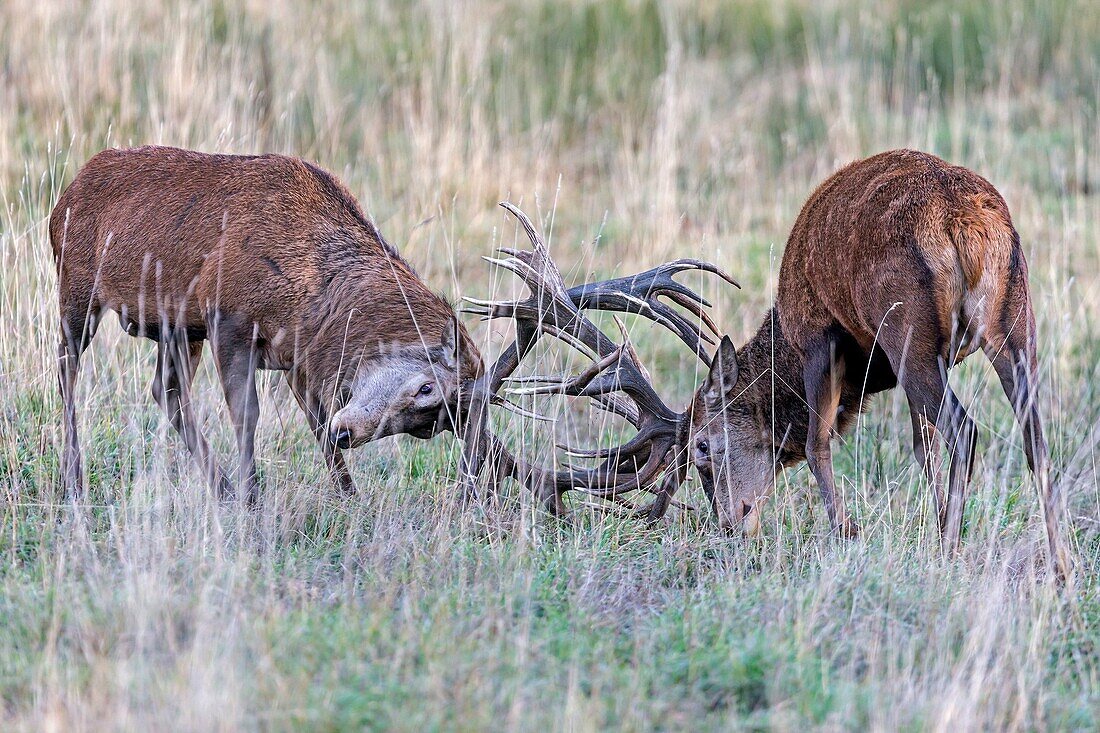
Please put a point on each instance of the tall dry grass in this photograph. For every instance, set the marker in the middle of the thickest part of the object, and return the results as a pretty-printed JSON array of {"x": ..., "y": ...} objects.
[{"x": 638, "y": 131}]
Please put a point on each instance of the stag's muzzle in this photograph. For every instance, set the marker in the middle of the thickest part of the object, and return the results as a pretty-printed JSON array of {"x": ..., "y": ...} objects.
[{"x": 341, "y": 438}]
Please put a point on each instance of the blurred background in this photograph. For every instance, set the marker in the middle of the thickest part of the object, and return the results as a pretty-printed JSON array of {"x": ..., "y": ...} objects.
[{"x": 633, "y": 132}]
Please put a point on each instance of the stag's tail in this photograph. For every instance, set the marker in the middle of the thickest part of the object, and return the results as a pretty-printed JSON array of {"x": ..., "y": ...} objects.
[{"x": 981, "y": 230}]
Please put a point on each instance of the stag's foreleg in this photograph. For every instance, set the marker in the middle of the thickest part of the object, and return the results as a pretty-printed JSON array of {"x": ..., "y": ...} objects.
[
  {"x": 78, "y": 327},
  {"x": 317, "y": 417},
  {"x": 823, "y": 375},
  {"x": 235, "y": 342},
  {"x": 177, "y": 361}
]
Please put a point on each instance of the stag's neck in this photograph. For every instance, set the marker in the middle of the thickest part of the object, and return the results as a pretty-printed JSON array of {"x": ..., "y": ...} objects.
[
  {"x": 770, "y": 374},
  {"x": 370, "y": 304},
  {"x": 771, "y": 370}
]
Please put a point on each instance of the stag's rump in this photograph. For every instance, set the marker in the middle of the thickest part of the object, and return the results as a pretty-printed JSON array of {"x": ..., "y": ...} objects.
[{"x": 899, "y": 238}]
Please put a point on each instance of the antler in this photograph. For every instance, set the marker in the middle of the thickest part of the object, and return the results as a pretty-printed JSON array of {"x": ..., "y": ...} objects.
[
  {"x": 616, "y": 380},
  {"x": 639, "y": 293},
  {"x": 636, "y": 294}
]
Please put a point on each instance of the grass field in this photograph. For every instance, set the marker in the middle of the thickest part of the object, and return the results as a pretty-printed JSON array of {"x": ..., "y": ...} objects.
[{"x": 637, "y": 131}]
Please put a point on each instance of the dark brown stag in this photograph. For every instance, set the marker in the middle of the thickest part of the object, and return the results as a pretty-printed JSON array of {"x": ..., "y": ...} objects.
[
  {"x": 898, "y": 267},
  {"x": 655, "y": 459},
  {"x": 270, "y": 259}
]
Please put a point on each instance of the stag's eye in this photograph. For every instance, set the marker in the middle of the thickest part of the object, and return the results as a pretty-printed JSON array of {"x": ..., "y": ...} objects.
[
  {"x": 703, "y": 447},
  {"x": 425, "y": 389}
]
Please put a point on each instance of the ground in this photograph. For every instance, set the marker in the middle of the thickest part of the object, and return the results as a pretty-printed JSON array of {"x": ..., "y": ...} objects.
[{"x": 633, "y": 132}]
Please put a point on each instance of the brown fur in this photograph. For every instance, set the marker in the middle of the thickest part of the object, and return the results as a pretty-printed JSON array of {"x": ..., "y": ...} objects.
[
  {"x": 269, "y": 257},
  {"x": 897, "y": 267}
]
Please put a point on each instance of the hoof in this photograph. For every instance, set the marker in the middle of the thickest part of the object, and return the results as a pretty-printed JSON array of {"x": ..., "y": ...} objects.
[
  {"x": 652, "y": 512},
  {"x": 848, "y": 529},
  {"x": 1063, "y": 567}
]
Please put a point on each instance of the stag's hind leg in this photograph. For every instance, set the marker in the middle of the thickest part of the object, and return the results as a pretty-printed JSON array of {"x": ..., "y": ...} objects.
[
  {"x": 78, "y": 327},
  {"x": 177, "y": 361},
  {"x": 926, "y": 448},
  {"x": 935, "y": 410},
  {"x": 1010, "y": 347}
]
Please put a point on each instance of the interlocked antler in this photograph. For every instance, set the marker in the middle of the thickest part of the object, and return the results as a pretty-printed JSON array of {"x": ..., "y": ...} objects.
[{"x": 616, "y": 380}]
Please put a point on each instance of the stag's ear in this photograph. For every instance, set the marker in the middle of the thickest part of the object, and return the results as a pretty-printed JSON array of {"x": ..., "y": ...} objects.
[
  {"x": 449, "y": 342},
  {"x": 719, "y": 384}
]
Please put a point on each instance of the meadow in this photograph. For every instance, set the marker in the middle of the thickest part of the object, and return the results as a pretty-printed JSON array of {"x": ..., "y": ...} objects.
[{"x": 633, "y": 132}]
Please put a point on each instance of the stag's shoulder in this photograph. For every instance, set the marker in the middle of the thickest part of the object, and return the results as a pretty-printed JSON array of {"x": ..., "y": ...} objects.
[{"x": 333, "y": 197}]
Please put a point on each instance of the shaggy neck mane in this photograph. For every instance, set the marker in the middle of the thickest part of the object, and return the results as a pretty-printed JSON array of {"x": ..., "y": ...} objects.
[
  {"x": 371, "y": 303},
  {"x": 770, "y": 378}
]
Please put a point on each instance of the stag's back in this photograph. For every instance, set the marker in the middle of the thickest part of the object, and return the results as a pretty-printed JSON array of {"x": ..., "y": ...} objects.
[
  {"x": 885, "y": 229},
  {"x": 167, "y": 234}
]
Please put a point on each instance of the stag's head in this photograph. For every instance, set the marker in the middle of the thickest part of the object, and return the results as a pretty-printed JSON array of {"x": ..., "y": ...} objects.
[
  {"x": 410, "y": 389},
  {"x": 731, "y": 443}
]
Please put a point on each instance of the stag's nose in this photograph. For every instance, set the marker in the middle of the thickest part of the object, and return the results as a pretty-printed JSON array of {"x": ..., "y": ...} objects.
[{"x": 340, "y": 437}]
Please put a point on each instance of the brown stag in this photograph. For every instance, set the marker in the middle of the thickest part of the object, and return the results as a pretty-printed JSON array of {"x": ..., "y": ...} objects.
[
  {"x": 898, "y": 267},
  {"x": 272, "y": 260}
]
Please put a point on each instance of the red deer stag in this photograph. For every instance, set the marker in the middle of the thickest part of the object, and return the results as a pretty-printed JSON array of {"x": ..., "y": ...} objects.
[
  {"x": 898, "y": 267},
  {"x": 272, "y": 260}
]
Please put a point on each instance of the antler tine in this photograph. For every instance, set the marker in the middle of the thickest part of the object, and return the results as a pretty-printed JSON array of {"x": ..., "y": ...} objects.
[
  {"x": 696, "y": 310},
  {"x": 569, "y": 385},
  {"x": 513, "y": 407},
  {"x": 577, "y": 341},
  {"x": 607, "y": 401},
  {"x": 663, "y": 496},
  {"x": 632, "y": 447},
  {"x": 538, "y": 258},
  {"x": 605, "y": 480},
  {"x": 640, "y": 293},
  {"x": 525, "y": 270},
  {"x": 512, "y": 252},
  {"x": 616, "y": 405},
  {"x": 535, "y": 379},
  {"x": 619, "y": 371},
  {"x": 628, "y": 349},
  {"x": 690, "y": 263},
  {"x": 491, "y": 309}
]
